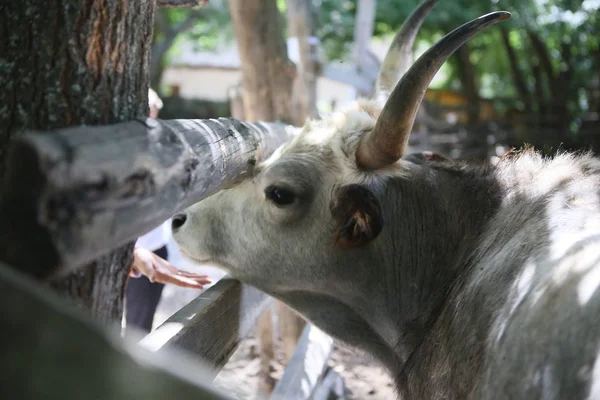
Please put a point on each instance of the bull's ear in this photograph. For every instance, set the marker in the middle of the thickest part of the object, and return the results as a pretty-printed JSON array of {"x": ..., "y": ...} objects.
[{"x": 357, "y": 216}]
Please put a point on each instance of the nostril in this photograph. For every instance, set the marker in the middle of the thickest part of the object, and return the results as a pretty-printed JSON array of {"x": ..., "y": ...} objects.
[{"x": 178, "y": 220}]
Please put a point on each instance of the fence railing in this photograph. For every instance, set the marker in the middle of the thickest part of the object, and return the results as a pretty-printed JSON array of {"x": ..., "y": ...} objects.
[{"x": 80, "y": 192}]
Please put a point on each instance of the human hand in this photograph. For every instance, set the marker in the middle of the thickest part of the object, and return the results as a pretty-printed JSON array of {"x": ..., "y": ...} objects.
[{"x": 160, "y": 270}]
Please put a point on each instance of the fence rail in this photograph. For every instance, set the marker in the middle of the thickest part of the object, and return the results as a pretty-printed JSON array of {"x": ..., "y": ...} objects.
[
  {"x": 81, "y": 191},
  {"x": 212, "y": 325}
]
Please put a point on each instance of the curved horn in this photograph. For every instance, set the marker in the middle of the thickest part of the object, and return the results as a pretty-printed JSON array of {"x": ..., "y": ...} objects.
[
  {"x": 386, "y": 143},
  {"x": 399, "y": 56}
]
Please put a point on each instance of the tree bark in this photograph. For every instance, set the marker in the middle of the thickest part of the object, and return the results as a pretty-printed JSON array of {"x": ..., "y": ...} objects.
[
  {"x": 540, "y": 94},
  {"x": 516, "y": 72},
  {"x": 71, "y": 63},
  {"x": 563, "y": 88},
  {"x": 558, "y": 83},
  {"x": 302, "y": 26},
  {"x": 267, "y": 73},
  {"x": 469, "y": 84},
  {"x": 544, "y": 56}
]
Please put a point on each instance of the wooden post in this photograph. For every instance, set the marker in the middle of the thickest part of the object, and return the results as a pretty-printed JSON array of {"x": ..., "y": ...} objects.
[
  {"x": 306, "y": 366},
  {"x": 74, "y": 194}
]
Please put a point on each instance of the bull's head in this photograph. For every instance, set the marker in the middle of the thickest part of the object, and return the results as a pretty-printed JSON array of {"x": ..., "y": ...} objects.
[{"x": 318, "y": 215}]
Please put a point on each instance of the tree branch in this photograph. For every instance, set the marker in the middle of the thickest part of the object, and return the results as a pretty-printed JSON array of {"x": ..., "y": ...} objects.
[
  {"x": 71, "y": 195},
  {"x": 180, "y": 3},
  {"x": 160, "y": 47},
  {"x": 517, "y": 74},
  {"x": 542, "y": 52}
]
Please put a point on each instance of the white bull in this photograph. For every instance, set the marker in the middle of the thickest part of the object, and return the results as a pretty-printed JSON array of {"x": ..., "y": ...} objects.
[{"x": 467, "y": 282}]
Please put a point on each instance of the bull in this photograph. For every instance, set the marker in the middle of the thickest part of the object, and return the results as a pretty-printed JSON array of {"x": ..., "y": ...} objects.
[{"x": 465, "y": 281}]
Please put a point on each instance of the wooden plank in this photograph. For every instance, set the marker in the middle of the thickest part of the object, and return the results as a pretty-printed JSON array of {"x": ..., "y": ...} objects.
[
  {"x": 53, "y": 350},
  {"x": 212, "y": 325},
  {"x": 73, "y": 194},
  {"x": 339, "y": 388},
  {"x": 331, "y": 384},
  {"x": 305, "y": 367}
]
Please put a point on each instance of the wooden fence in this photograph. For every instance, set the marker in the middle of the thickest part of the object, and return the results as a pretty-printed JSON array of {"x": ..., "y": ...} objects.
[{"x": 74, "y": 194}]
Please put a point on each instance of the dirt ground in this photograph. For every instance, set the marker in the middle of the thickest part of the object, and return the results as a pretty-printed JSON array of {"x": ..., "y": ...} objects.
[{"x": 363, "y": 378}]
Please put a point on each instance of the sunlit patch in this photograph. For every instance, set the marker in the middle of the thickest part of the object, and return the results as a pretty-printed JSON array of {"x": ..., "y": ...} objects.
[
  {"x": 161, "y": 336},
  {"x": 521, "y": 287},
  {"x": 588, "y": 285},
  {"x": 578, "y": 263}
]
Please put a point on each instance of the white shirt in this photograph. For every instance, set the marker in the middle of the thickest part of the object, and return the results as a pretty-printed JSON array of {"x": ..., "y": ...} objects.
[{"x": 156, "y": 238}]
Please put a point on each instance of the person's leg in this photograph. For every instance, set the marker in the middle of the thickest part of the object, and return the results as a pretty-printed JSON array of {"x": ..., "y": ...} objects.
[{"x": 141, "y": 299}]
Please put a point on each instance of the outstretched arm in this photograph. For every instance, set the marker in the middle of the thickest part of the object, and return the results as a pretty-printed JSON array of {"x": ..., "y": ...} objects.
[{"x": 160, "y": 270}]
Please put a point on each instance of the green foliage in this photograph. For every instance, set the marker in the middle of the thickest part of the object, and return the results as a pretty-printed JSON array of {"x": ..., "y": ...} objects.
[
  {"x": 569, "y": 29},
  {"x": 210, "y": 26}
]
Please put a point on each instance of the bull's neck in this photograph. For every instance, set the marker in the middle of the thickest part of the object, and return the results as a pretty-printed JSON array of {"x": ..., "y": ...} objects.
[
  {"x": 386, "y": 297},
  {"x": 433, "y": 221}
]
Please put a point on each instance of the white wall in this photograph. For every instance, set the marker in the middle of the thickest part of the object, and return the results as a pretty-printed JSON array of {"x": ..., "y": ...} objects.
[
  {"x": 212, "y": 84},
  {"x": 202, "y": 83}
]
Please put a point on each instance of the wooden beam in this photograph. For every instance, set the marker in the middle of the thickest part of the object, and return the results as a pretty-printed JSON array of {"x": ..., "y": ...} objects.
[
  {"x": 53, "y": 350},
  {"x": 331, "y": 384},
  {"x": 212, "y": 325},
  {"x": 306, "y": 366},
  {"x": 72, "y": 194}
]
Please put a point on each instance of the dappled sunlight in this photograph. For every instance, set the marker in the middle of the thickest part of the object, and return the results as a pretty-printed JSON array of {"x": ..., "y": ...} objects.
[
  {"x": 189, "y": 318},
  {"x": 589, "y": 284},
  {"x": 574, "y": 19},
  {"x": 521, "y": 288},
  {"x": 155, "y": 340}
]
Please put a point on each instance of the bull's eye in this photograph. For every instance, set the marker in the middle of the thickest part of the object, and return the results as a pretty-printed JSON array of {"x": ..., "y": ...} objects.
[{"x": 280, "y": 196}]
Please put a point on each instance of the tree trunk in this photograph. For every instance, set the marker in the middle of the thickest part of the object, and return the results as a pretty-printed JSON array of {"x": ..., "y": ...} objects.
[
  {"x": 563, "y": 87},
  {"x": 72, "y": 63},
  {"x": 540, "y": 94},
  {"x": 468, "y": 80},
  {"x": 267, "y": 73},
  {"x": 267, "y": 78},
  {"x": 302, "y": 26},
  {"x": 544, "y": 56},
  {"x": 517, "y": 74}
]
